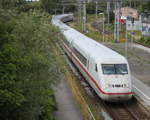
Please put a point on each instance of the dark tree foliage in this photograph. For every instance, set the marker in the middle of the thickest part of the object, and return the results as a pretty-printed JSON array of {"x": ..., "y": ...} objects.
[
  {"x": 70, "y": 8},
  {"x": 91, "y": 8},
  {"x": 9, "y": 4},
  {"x": 50, "y": 5},
  {"x": 28, "y": 68},
  {"x": 145, "y": 7}
]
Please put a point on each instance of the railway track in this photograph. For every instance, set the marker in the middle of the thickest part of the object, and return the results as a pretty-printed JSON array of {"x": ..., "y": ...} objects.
[
  {"x": 96, "y": 25},
  {"x": 130, "y": 110}
]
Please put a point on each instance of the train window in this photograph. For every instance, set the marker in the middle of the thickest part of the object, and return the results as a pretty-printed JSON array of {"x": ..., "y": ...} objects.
[
  {"x": 114, "y": 68},
  {"x": 80, "y": 56},
  {"x": 108, "y": 69},
  {"x": 121, "y": 68}
]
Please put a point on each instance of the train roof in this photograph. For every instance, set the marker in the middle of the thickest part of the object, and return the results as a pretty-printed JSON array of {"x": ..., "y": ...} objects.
[{"x": 90, "y": 47}]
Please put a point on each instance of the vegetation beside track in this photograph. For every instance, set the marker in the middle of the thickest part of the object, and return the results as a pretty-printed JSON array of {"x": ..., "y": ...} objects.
[
  {"x": 77, "y": 91},
  {"x": 144, "y": 41},
  {"x": 95, "y": 31},
  {"x": 28, "y": 67}
]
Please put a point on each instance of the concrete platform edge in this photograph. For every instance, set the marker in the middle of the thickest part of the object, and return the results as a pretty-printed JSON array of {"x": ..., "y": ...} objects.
[{"x": 142, "y": 90}]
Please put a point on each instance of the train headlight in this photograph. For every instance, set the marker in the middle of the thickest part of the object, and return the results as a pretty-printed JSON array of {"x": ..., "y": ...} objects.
[
  {"x": 109, "y": 85},
  {"x": 126, "y": 85}
]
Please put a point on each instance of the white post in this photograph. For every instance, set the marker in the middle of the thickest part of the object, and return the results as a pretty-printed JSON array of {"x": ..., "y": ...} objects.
[
  {"x": 82, "y": 21},
  {"x": 108, "y": 9},
  {"x": 130, "y": 3},
  {"x": 79, "y": 12},
  {"x": 118, "y": 23},
  {"x": 103, "y": 20},
  {"x": 63, "y": 10},
  {"x": 126, "y": 43},
  {"x": 84, "y": 16},
  {"x": 132, "y": 36},
  {"x": 96, "y": 10},
  {"x": 115, "y": 22},
  {"x": 103, "y": 28}
]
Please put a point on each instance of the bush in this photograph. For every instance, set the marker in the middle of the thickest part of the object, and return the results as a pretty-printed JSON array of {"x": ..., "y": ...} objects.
[
  {"x": 145, "y": 41},
  {"x": 28, "y": 68}
]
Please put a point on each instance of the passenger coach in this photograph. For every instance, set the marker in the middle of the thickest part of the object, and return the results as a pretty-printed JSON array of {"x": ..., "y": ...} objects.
[{"x": 106, "y": 71}]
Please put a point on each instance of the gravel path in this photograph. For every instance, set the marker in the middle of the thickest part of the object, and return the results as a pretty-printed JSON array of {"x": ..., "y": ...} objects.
[{"x": 67, "y": 107}]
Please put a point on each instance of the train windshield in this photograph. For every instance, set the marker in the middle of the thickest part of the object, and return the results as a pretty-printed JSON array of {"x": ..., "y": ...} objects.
[{"x": 114, "y": 68}]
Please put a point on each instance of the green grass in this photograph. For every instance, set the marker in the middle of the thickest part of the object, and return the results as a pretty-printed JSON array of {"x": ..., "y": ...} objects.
[
  {"x": 91, "y": 32},
  {"x": 145, "y": 41}
]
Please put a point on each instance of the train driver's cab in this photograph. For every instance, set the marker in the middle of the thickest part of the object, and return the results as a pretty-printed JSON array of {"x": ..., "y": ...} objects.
[{"x": 114, "y": 69}]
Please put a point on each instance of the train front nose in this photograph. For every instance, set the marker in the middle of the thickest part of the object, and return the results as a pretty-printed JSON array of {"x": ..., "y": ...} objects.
[
  {"x": 117, "y": 93},
  {"x": 118, "y": 98}
]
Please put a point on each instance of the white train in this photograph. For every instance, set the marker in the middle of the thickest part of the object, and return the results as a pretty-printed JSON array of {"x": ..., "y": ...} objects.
[{"x": 106, "y": 71}]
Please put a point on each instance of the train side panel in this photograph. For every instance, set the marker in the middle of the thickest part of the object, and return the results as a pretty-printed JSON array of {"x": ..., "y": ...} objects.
[
  {"x": 88, "y": 56},
  {"x": 95, "y": 79}
]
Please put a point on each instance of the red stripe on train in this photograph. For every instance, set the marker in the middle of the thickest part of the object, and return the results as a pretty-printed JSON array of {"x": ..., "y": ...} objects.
[{"x": 91, "y": 78}]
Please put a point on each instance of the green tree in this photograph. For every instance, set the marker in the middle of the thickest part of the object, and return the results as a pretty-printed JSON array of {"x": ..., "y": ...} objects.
[
  {"x": 50, "y": 5},
  {"x": 9, "y": 4},
  {"x": 28, "y": 68},
  {"x": 11, "y": 96},
  {"x": 145, "y": 7}
]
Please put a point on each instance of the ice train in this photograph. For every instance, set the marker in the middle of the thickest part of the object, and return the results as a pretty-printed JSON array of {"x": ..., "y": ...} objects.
[{"x": 105, "y": 70}]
